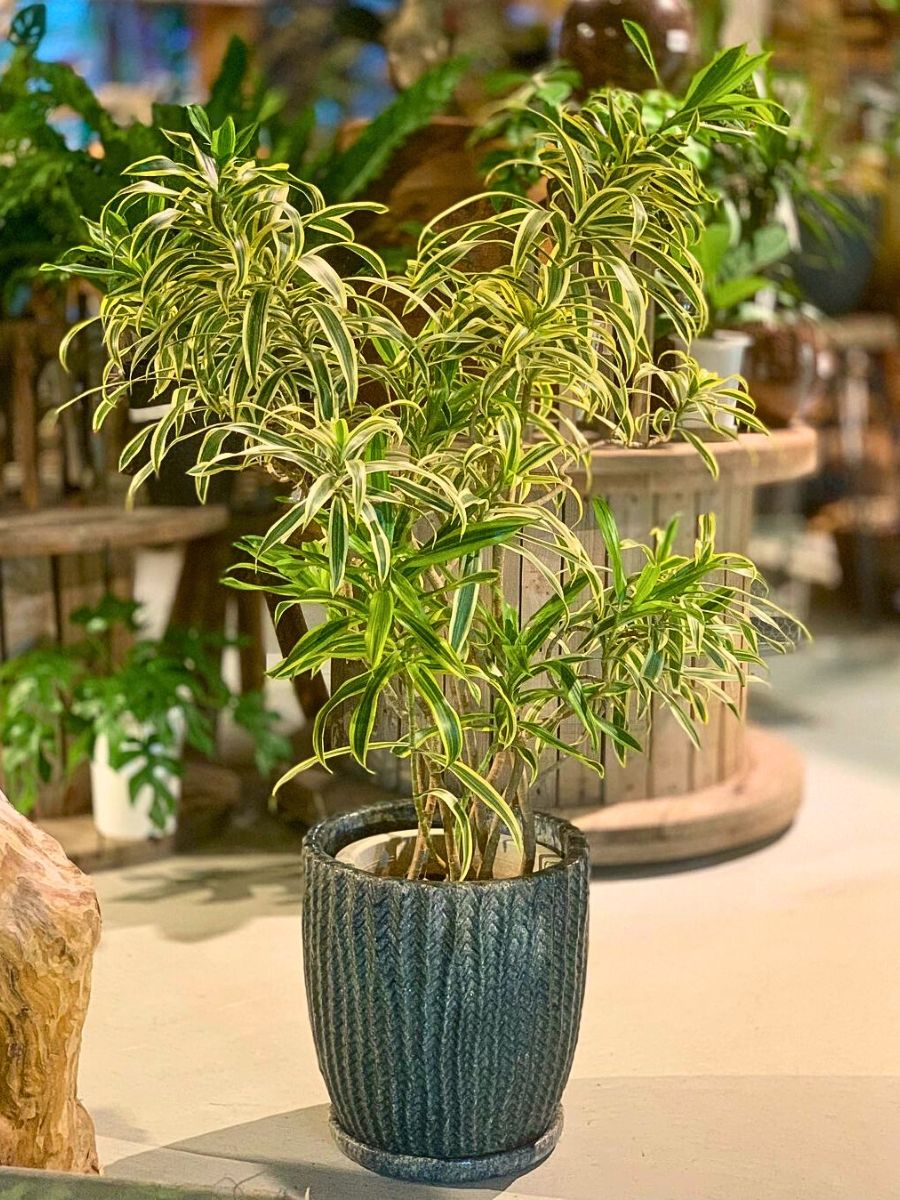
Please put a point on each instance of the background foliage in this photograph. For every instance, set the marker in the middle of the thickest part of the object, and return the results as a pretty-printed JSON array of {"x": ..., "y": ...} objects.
[
  {"x": 48, "y": 187},
  {"x": 56, "y": 701}
]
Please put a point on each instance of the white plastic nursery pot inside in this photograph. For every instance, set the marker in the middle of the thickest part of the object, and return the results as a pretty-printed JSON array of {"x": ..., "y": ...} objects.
[
  {"x": 389, "y": 854},
  {"x": 116, "y": 815}
]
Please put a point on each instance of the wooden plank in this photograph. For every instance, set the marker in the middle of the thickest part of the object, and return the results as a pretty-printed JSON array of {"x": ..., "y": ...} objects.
[
  {"x": 734, "y": 534},
  {"x": 753, "y": 458},
  {"x": 670, "y": 750},
  {"x": 24, "y": 412},
  {"x": 534, "y": 591},
  {"x": 79, "y": 530},
  {"x": 578, "y": 786},
  {"x": 705, "y": 760},
  {"x": 251, "y": 651},
  {"x": 634, "y": 513}
]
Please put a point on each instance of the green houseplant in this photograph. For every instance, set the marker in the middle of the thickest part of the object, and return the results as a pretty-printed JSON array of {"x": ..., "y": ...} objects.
[
  {"x": 129, "y": 714},
  {"x": 48, "y": 186},
  {"x": 720, "y": 111},
  {"x": 62, "y": 154},
  {"x": 769, "y": 194},
  {"x": 426, "y": 429}
]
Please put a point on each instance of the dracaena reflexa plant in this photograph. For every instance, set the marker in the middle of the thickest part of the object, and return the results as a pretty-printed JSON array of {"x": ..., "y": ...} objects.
[
  {"x": 643, "y": 163},
  {"x": 427, "y": 428}
]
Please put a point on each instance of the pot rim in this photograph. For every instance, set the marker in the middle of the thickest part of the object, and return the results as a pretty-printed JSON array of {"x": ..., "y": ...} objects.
[{"x": 398, "y": 814}]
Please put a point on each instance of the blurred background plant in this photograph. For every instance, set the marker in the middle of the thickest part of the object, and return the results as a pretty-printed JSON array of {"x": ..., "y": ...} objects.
[
  {"x": 62, "y": 152},
  {"x": 146, "y": 703}
]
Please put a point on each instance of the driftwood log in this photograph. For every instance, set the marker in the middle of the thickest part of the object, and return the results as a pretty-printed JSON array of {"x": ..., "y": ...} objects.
[{"x": 49, "y": 926}]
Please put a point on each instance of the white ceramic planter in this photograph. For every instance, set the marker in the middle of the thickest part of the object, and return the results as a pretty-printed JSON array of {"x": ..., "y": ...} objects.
[
  {"x": 723, "y": 354},
  {"x": 116, "y": 816}
]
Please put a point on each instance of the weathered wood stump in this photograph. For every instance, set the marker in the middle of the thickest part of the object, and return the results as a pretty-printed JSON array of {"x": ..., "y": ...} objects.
[{"x": 49, "y": 926}]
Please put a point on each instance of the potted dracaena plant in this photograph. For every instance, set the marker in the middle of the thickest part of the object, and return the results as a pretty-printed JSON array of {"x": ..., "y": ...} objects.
[{"x": 426, "y": 429}]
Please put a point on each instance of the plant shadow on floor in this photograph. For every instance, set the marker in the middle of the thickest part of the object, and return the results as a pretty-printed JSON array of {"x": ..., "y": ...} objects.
[
  {"x": 188, "y": 903},
  {"x": 666, "y": 1137}
]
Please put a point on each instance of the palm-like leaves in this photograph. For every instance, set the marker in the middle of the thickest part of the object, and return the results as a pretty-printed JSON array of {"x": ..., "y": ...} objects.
[{"x": 426, "y": 426}]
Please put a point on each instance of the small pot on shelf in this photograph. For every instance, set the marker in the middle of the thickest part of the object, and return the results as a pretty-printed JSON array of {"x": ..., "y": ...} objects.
[
  {"x": 722, "y": 353},
  {"x": 445, "y": 1015},
  {"x": 119, "y": 815}
]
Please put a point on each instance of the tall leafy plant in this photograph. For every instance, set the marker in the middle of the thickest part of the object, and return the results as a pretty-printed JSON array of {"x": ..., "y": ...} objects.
[
  {"x": 652, "y": 204},
  {"x": 763, "y": 174},
  {"x": 427, "y": 429}
]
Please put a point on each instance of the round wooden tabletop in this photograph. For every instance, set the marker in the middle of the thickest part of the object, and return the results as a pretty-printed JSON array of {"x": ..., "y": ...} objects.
[
  {"x": 59, "y": 531},
  {"x": 750, "y": 460}
]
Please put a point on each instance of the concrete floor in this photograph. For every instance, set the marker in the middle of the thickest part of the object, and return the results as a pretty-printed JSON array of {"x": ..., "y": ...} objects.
[{"x": 741, "y": 1035}]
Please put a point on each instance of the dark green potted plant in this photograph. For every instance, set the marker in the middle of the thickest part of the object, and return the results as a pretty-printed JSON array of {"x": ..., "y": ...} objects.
[
  {"x": 444, "y": 937},
  {"x": 130, "y": 715}
]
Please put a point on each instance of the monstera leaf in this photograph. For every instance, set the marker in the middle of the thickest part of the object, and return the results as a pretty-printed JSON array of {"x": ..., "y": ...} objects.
[{"x": 28, "y": 27}]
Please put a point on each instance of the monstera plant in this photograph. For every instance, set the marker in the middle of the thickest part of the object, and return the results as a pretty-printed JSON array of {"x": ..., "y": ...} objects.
[{"x": 426, "y": 429}]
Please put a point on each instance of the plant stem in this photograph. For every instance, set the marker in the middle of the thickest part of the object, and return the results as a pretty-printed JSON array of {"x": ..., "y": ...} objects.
[
  {"x": 529, "y": 839},
  {"x": 492, "y": 843},
  {"x": 497, "y": 582},
  {"x": 424, "y": 807},
  {"x": 454, "y": 866},
  {"x": 423, "y": 837},
  {"x": 489, "y": 852}
]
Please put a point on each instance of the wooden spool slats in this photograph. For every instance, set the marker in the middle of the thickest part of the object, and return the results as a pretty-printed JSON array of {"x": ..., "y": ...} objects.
[
  {"x": 705, "y": 768},
  {"x": 534, "y": 591},
  {"x": 635, "y": 513},
  {"x": 571, "y": 778},
  {"x": 737, "y": 519},
  {"x": 669, "y": 758}
]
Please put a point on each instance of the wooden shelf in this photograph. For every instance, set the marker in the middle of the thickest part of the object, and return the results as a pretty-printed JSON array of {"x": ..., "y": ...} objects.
[
  {"x": 53, "y": 532},
  {"x": 209, "y": 793},
  {"x": 753, "y": 459}
]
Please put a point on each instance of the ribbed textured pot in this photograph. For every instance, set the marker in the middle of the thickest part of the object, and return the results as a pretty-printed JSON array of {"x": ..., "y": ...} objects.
[{"x": 445, "y": 1015}]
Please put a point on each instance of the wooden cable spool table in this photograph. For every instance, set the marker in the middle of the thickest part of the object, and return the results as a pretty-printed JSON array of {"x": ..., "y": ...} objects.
[{"x": 743, "y": 785}]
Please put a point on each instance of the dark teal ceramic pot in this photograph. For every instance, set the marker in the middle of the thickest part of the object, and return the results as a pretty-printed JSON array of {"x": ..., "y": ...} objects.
[{"x": 445, "y": 1015}]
